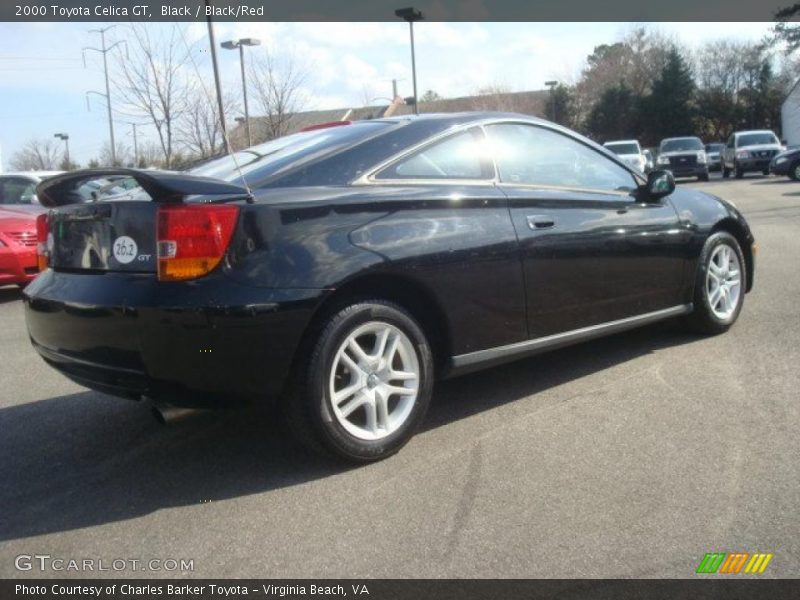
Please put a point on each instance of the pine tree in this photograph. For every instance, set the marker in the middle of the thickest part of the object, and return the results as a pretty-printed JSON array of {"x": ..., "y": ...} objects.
[{"x": 670, "y": 108}]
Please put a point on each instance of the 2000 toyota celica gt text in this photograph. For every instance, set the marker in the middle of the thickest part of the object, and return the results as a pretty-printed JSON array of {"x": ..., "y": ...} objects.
[{"x": 341, "y": 270}]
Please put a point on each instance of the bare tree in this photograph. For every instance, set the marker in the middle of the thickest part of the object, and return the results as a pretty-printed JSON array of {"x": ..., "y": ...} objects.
[
  {"x": 123, "y": 155},
  {"x": 277, "y": 82},
  {"x": 37, "y": 155},
  {"x": 199, "y": 128},
  {"x": 153, "y": 83},
  {"x": 496, "y": 96},
  {"x": 150, "y": 155}
]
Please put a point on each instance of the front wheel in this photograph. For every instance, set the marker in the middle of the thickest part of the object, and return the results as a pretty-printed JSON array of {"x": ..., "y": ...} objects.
[
  {"x": 367, "y": 385},
  {"x": 702, "y": 177},
  {"x": 726, "y": 172},
  {"x": 739, "y": 171},
  {"x": 794, "y": 171},
  {"x": 719, "y": 286}
]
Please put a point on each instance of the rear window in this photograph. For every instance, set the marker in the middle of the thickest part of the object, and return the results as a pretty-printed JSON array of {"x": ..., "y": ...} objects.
[
  {"x": 271, "y": 158},
  {"x": 680, "y": 145},
  {"x": 623, "y": 148},
  {"x": 755, "y": 139}
]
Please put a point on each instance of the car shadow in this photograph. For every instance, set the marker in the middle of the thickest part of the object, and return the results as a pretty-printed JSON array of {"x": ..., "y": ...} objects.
[
  {"x": 84, "y": 459},
  {"x": 10, "y": 294}
]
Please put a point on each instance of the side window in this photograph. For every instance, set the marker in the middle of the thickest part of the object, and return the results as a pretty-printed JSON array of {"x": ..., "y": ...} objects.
[
  {"x": 16, "y": 191},
  {"x": 460, "y": 156},
  {"x": 731, "y": 141},
  {"x": 527, "y": 154}
]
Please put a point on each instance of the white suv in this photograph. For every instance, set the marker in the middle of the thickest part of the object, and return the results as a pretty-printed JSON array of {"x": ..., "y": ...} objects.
[{"x": 629, "y": 151}]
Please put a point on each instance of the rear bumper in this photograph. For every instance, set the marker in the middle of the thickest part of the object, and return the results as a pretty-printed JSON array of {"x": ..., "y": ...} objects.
[
  {"x": 205, "y": 343},
  {"x": 17, "y": 266}
]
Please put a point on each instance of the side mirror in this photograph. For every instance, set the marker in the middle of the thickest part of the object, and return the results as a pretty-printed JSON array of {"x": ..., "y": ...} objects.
[{"x": 659, "y": 184}]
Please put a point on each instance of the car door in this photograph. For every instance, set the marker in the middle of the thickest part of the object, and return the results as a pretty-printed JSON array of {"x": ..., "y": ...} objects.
[{"x": 591, "y": 252}]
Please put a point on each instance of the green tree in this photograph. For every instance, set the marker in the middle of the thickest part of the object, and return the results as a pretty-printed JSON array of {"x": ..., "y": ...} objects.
[
  {"x": 670, "y": 107},
  {"x": 562, "y": 106},
  {"x": 615, "y": 115}
]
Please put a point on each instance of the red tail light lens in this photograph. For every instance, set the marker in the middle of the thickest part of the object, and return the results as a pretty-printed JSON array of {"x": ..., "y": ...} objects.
[
  {"x": 42, "y": 239},
  {"x": 192, "y": 239}
]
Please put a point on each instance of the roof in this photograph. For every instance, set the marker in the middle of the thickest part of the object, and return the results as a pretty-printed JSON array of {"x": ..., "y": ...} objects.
[
  {"x": 529, "y": 103},
  {"x": 34, "y": 174},
  {"x": 620, "y": 142}
]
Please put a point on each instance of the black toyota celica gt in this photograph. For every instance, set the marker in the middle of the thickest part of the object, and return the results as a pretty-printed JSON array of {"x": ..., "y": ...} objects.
[{"x": 341, "y": 270}]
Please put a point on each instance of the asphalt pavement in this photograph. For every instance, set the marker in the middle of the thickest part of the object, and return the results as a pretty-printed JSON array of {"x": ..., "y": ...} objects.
[{"x": 630, "y": 456}]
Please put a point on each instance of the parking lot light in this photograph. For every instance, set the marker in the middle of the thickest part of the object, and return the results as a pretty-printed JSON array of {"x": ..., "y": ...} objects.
[
  {"x": 240, "y": 44},
  {"x": 411, "y": 14},
  {"x": 65, "y": 137}
]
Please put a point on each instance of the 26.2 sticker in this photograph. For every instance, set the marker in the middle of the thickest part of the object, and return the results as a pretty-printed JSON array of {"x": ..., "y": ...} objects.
[{"x": 125, "y": 249}]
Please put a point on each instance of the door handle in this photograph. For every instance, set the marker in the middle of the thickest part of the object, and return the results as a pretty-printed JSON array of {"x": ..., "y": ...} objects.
[{"x": 541, "y": 222}]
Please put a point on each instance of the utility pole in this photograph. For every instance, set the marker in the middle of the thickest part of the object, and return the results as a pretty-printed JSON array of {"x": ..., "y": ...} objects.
[
  {"x": 216, "y": 79},
  {"x": 410, "y": 15},
  {"x": 394, "y": 88},
  {"x": 104, "y": 51}
]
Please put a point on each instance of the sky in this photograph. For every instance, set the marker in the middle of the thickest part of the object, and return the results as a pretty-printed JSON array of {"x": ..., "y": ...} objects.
[{"x": 43, "y": 81}]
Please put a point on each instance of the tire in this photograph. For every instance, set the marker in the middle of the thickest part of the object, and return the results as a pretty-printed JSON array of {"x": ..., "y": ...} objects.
[
  {"x": 765, "y": 171},
  {"x": 716, "y": 319},
  {"x": 726, "y": 172},
  {"x": 794, "y": 171},
  {"x": 703, "y": 177},
  {"x": 354, "y": 428},
  {"x": 739, "y": 172}
]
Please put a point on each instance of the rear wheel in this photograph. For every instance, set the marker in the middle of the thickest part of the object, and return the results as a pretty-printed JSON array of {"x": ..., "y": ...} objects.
[
  {"x": 366, "y": 387},
  {"x": 719, "y": 286}
]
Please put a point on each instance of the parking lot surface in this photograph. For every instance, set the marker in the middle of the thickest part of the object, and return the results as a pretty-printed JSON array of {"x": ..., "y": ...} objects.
[{"x": 630, "y": 456}]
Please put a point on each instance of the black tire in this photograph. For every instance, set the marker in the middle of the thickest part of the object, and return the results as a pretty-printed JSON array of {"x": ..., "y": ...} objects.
[
  {"x": 765, "y": 171},
  {"x": 726, "y": 172},
  {"x": 703, "y": 177},
  {"x": 702, "y": 319},
  {"x": 739, "y": 172},
  {"x": 308, "y": 408},
  {"x": 794, "y": 171}
]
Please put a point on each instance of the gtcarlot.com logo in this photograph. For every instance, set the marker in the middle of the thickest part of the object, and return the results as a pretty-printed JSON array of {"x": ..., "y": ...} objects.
[
  {"x": 45, "y": 562},
  {"x": 734, "y": 562}
]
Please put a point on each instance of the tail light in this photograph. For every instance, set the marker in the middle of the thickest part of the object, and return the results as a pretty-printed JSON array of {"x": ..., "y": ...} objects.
[
  {"x": 43, "y": 241},
  {"x": 193, "y": 239}
]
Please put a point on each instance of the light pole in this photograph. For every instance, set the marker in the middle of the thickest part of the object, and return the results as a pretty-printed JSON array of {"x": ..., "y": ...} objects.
[
  {"x": 104, "y": 51},
  {"x": 410, "y": 15},
  {"x": 65, "y": 137},
  {"x": 240, "y": 44},
  {"x": 552, "y": 85},
  {"x": 215, "y": 66}
]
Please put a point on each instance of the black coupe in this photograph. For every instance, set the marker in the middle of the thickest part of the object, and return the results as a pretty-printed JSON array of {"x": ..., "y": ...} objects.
[{"x": 345, "y": 268}]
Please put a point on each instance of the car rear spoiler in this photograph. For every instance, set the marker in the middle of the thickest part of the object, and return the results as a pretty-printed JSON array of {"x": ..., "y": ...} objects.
[{"x": 161, "y": 186}]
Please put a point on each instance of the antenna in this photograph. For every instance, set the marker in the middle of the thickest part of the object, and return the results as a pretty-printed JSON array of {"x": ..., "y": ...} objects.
[{"x": 250, "y": 197}]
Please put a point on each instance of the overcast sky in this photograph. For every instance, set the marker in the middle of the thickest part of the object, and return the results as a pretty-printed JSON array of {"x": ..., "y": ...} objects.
[{"x": 43, "y": 81}]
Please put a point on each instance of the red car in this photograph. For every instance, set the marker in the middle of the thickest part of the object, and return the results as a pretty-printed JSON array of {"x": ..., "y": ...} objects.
[{"x": 18, "y": 263}]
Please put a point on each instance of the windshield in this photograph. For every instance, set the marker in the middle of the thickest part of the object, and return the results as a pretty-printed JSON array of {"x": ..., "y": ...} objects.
[
  {"x": 755, "y": 139},
  {"x": 265, "y": 160},
  {"x": 680, "y": 145},
  {"x": 625, "y": 148}
]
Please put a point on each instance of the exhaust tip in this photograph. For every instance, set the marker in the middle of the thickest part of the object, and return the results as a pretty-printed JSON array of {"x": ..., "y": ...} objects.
[{"x": 167, "y": 414}]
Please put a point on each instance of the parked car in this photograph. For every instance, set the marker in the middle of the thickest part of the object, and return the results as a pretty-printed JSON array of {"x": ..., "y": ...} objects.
[
  {"x": 786, "y": 163},
  {"x": 19, "y": 188},
  {"x": 18, "y": 259},
  {"x": 714, "y": 156},
  {"x": 361, "y": 262},
  {"x": 750, "y": 151},
  {"x": 630, "y": 152},
  {"x": 684, "y": 157},
  {"x": 650, "y": 163}
]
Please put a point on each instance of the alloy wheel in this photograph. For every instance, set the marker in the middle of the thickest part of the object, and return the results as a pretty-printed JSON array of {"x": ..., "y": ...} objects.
[
  {"x": 374, "y": 380},
  {"x": 723, "y": 282}
]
